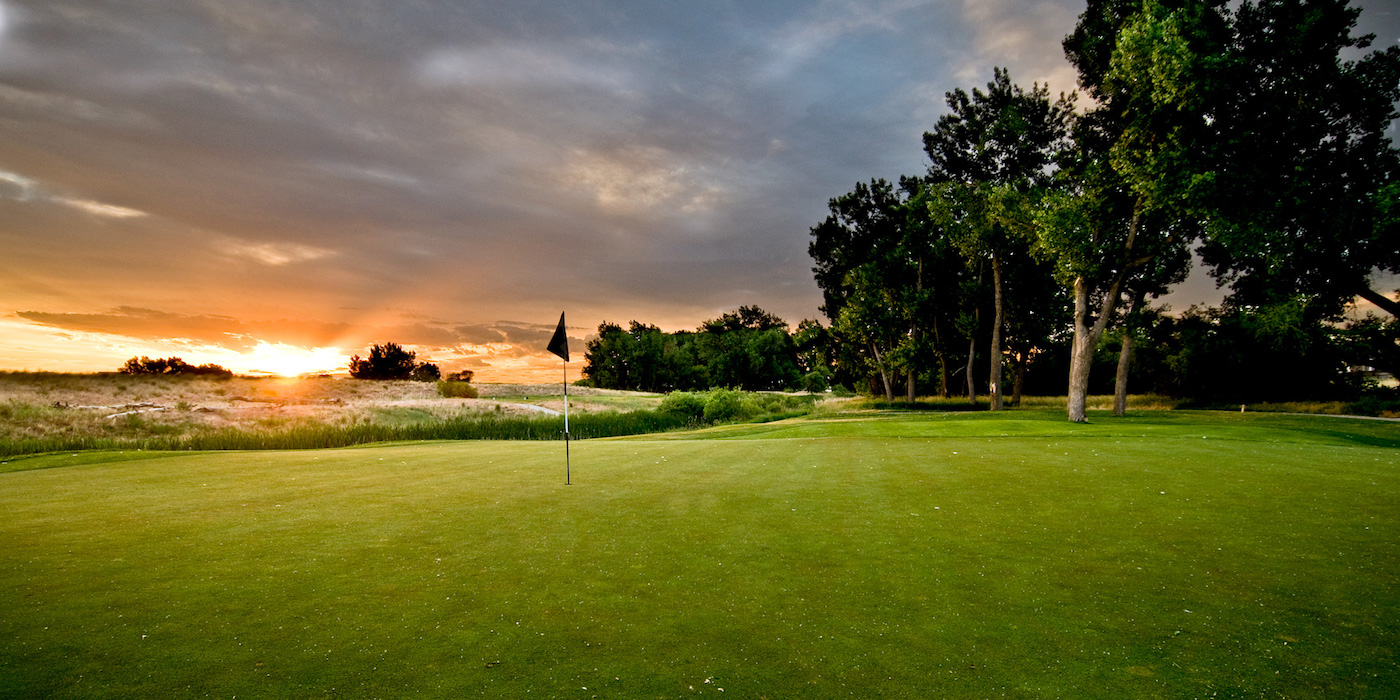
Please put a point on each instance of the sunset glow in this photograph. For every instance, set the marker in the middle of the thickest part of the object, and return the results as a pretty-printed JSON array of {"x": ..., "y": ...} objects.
[{"x": 289, "y": 361}]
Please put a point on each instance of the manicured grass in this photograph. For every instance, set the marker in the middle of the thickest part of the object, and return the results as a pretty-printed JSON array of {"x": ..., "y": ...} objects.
[{"x": 915, "y": 555}]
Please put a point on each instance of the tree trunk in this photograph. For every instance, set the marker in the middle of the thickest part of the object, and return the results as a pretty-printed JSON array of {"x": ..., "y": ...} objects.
[
  {"x": 884, "y": 374},
  {"x": 1125, "y": 356},
  {"x": 914, "y": 335},
  {"x": 972, "y": 344},
  {"x": 944, "y": 379},
  {"x": 1086, "y": 337},
  {"x": 1382, "y": 301},
  {"x": 971, "y": 382},
  {"x": 1019, "y": 382},
  {"x": 1120, "y": 383},
  {"x": 994, "y": 359},
  {"x": 1081, "y": 354}
]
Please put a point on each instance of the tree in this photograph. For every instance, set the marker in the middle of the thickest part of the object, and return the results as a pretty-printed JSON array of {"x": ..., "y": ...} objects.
[
  {"x": 1246, "y": 127},
  {"x": 465, "y": 376},
  {"x": 748, "y": 348},
  {"x": 996, "y": 147},
  {"x": 872, "y": 317},
  {"x": 882, "y": 245},
  {"x": 1130, "y": 188},
  {"x": 386, "y": 361},
  {"x": 1307, "y": 180},
  {"x": 609, "y": 358}
]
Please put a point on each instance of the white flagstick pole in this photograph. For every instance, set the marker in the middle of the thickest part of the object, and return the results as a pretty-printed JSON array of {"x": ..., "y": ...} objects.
[{"x": 567, "y": 479}]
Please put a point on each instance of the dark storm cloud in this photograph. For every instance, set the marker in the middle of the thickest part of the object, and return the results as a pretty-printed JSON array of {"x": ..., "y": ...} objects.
[{"x": 513, "y": 141}]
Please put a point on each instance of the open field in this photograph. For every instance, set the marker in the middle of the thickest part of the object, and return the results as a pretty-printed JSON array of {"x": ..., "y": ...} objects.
[
  {"x": 972, "y": 555},
  {"x": 47, "y": 411}
]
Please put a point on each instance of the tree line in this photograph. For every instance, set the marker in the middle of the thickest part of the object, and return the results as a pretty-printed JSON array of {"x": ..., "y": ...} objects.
[
  {"x": 1251, "y": 134},
  {"x": 171, "y": 366},
  {"x": 747, "y": 349},
  {"x": 1238, "y": 131}
]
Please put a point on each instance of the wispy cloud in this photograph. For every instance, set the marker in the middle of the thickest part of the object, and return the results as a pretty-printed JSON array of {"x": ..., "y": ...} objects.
[
  {"x": 27, "y": 190},
  {"x": 531, "y": 65},
  {"x": 272, "y": 253},
  {"x": 818, "y": 30},
  {"x": 100, "y": 209},
  {"x": 642, "y": 180},
  {"x": 1024, "y": 37}
]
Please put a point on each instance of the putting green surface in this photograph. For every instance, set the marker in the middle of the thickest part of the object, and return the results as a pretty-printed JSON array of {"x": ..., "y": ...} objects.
[{"x": 907, "y": 555}]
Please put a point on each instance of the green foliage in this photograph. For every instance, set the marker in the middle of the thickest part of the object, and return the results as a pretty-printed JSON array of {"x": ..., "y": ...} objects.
[
  {"x": 724, "y": 405},
  {"x": 728, "y": 405},
  {"x": 453, "y": 389},
  {"x": 1307, "y": 166},
  {"x": 684, "y": 403},
  {"x": 1274, "y": 354},
  {"x": 750, "y": 349}
]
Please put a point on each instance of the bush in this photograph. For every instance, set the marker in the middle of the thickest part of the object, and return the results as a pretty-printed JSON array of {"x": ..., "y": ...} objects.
[
  {"x": 1377, "y": 402},
  {"x": 729, "y": 405},
  {"x": 684, "y": 403},
  {"x": 456, "y": 390},
  {"x": 425, "y": 372}
]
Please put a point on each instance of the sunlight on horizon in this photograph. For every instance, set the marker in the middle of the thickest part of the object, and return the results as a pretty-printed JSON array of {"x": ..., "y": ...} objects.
[{"x": 288, "y": 360}]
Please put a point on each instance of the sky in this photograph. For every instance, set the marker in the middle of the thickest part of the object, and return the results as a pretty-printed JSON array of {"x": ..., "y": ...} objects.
[{"x": 274, "y": 186}]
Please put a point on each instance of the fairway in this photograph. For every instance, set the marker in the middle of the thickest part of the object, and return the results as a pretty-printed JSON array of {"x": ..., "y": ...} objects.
[{"x": 929, "y": 555}]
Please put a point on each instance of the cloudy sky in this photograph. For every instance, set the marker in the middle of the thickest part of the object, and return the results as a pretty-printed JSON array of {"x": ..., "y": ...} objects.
[{"x": 275, "y": 185}]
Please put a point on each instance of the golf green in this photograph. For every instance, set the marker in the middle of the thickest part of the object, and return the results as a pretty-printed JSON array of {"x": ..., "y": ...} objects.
[{"x": 890, "y": 555}]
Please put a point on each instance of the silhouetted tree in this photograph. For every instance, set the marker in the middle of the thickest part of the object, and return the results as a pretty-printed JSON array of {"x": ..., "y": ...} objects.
[
  {"x": 173, "y": 365},
  {"x": 391, "y": 361}
]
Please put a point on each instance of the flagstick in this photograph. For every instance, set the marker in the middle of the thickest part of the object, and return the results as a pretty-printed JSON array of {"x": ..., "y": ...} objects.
[{"x": 567, "y": 479}]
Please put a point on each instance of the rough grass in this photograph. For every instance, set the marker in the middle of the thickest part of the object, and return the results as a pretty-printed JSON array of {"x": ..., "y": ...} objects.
[
  {"x": 45, "y": 411},
  {"x": 912, "y": 555}
]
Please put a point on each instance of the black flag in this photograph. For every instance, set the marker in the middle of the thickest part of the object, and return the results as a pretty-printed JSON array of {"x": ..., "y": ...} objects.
[{"x": 559, "y": 344}]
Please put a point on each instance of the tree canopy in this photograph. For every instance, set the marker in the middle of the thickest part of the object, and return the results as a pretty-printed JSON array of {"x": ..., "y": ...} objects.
[
  {"x": 392, "y": 361},
  {"x": 748, "y": 349}
]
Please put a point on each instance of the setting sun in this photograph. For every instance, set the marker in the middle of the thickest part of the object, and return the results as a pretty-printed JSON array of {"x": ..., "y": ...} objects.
[{"x": 288, "y": 360}]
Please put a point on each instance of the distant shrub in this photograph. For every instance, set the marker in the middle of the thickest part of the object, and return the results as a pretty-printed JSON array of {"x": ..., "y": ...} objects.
[
  {"x": 425, "y": 372},
  {"x": 1377, "y": 402},
  {"x": 729, "y": 405},
  {"x": 465, "y": 375},
  {"x": 684, "y": 403},
  {"x": 842, "y": 391},
  {"x": 816, "y": 381},
  {"x": 456, "y": 390},
  {"x": 173, "y": 365}
]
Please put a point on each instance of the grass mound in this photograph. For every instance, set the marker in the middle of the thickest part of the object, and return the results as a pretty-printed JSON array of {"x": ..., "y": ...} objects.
[{"x": 911, "y": 555}]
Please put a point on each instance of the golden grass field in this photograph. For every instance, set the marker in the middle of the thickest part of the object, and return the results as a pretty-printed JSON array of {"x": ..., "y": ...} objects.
[{"x": 41, "y": 404}]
